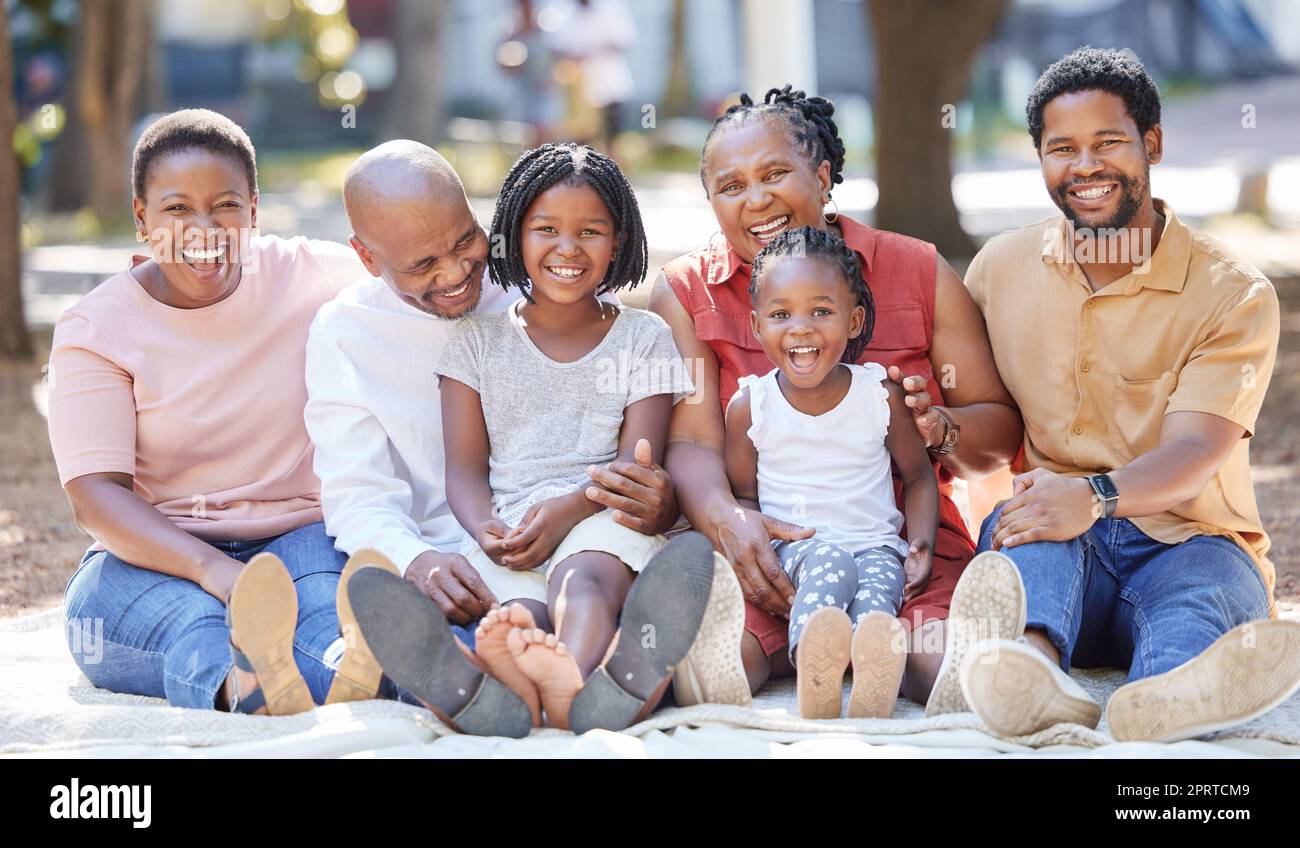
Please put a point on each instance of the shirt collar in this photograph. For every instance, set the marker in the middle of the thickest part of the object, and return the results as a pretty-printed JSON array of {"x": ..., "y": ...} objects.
[
  {"x": 723, "y": 262},
  {"x": 1165, "y": 271}
]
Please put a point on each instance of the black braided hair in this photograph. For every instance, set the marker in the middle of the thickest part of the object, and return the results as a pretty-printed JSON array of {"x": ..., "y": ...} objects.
[
  {"x": 820, "y": 244},
  {"x": 187, "y": 129},
  {"x": 808, "y": 120},
  {"x": 575, "y": 164}
]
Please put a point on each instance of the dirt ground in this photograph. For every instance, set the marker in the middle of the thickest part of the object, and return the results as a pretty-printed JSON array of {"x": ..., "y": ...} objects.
[{"x": 40, "y": 544}]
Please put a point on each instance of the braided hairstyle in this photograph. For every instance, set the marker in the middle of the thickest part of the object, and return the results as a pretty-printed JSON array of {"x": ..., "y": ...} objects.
[
  {"x": 573, "y": 164},
  {"x": 807, "y": 119},
  {"x": 811, "y": 242}
]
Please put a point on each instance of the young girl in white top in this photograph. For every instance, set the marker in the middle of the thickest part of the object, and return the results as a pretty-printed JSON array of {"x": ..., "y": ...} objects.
[{"x": 810, "y": 443}]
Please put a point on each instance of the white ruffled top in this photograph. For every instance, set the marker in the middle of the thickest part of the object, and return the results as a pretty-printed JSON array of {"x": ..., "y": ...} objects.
[{"x": 828, "y": 471}]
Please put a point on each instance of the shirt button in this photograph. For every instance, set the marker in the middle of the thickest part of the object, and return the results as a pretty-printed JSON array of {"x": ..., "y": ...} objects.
[
  {"x": 1077, "y": 430},
  {"x": 1087, "y": 304},
  {"x": 1084, "y": 367}
]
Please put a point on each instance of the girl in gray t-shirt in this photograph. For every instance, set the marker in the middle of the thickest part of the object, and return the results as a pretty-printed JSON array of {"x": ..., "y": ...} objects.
[{"x": 535, "y": 395}]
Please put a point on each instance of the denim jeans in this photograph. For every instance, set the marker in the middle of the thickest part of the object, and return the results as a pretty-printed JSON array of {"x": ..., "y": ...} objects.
[
  {"x": 144, "y": 633},
  {"x": 1115, "y": 597}
]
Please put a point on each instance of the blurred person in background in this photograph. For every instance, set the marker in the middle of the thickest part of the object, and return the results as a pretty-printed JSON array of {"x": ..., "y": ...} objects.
[
  {"x": 594, "y": 37},
  {"x": 525, "y": 56}
]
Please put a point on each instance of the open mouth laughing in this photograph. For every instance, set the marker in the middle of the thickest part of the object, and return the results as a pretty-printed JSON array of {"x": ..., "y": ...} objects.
[
  {"x": 803, "y": 359},
  {"x": 766, "y": 230},
  {"x": 205, "y": 261}
]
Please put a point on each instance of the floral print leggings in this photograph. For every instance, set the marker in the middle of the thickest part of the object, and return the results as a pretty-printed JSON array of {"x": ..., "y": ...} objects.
[{"x": 826, "y": 575}]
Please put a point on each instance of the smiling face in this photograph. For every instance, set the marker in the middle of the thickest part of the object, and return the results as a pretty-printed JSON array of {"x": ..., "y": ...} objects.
[
  {"x": 568, "y": 243},
  {"x": 761, "y": 183},
  {"x": 1095, "y": 162},
  {"x": 429, "y": 249},
  {"x": 197, "y": 211},
  {"x": 804, "y": 316}
]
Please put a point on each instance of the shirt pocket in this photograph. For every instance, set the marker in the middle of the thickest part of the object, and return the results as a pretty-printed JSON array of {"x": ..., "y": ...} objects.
[
  {"x": 598, "y": 435},
  {"x": 1139, "y": 409},
  {"x": 730, "y": 327},
  {"x": 899, "y": 328}
]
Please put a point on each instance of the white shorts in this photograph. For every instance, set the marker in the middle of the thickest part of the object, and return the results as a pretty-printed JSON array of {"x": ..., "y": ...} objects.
[{"x": 599, "y": 532}]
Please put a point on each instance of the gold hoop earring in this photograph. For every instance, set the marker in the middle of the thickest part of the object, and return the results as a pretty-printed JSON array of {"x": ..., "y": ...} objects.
[{"x": 834, "y": 216}]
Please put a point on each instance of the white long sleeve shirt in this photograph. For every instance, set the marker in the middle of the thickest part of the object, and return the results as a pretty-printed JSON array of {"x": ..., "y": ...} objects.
[{"x": 375, "y": 417}]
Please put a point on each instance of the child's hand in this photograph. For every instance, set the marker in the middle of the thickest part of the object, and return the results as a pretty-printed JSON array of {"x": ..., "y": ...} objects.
[
  {"x": 540, "y": 532},
  {"x": 916, "y": 568},
  {"x": 491, "y": 538}
]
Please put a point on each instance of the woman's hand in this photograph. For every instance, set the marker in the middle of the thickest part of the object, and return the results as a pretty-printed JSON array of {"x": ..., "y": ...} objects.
[
  {"x": 744, "y": 536},
  {"x": 927, "y": 420}
]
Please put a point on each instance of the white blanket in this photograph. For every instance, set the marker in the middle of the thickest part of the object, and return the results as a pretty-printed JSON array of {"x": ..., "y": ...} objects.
[{"x": 49, "y": 709}]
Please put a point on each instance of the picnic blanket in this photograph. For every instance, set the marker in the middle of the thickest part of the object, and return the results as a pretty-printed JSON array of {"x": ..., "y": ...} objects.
[{"x": 49, "y": 709}]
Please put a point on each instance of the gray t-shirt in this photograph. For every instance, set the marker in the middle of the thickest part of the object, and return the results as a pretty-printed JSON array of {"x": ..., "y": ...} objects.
[{"x": 546, "y": 420}]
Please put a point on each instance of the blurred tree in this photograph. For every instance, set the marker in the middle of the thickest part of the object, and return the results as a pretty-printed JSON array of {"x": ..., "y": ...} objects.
[
  {"x": 109, "y": 47},
  {"x": 416, "y": 100},
  {"x": 924, "y": 53},
  {"x": 14, "y": 341},
  {"x": 677, "y": 89}
]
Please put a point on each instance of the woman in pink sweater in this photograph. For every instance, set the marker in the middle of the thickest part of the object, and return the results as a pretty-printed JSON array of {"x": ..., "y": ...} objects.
[{"x": 176, "y": 396}]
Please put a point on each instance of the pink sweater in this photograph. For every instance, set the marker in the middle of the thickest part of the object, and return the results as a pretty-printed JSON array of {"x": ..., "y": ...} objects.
[{"x": 203, "y": 407}]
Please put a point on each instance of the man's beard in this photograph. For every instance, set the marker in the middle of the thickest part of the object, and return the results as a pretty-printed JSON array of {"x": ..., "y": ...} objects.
[
  {"x": 431, "y": 307},
  {"x": 1132, "y": 194}
]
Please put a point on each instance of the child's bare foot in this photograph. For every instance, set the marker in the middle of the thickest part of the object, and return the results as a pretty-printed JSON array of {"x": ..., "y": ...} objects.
[
  {"x": 490, "y": 645},
  {"x": 547, "y": 662}
]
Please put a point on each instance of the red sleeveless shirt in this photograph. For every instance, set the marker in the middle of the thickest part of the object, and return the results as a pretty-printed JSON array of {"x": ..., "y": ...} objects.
[{"x": 713, "y": 285}]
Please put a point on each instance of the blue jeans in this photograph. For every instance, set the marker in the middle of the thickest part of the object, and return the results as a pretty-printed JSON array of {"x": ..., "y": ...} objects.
[
  {"x": 1115, "y": 597},
  {"x": 144, "y": 633}
]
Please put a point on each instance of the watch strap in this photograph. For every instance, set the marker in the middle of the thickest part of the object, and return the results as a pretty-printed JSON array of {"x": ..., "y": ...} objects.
[{"x": 951, "y": 432}]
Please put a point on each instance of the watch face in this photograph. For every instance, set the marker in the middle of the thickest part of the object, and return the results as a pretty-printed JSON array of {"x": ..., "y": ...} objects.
[{"x": 1105, "y": 487}]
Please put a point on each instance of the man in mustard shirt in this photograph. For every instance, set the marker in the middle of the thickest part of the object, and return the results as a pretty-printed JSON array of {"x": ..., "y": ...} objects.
[{"x": 1138, "y": 351}]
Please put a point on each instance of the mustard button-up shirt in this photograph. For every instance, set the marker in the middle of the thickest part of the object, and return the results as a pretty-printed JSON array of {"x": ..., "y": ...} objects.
[{"x": 1193, "y": 329}]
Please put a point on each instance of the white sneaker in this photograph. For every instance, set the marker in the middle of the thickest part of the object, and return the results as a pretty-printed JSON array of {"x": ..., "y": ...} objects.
[
  {"x": 713, "y": 671},
  {"x": 1016, "y": 690},
  {"x": 1246, "y": 672},
  {"x": 987, "y": 603}
]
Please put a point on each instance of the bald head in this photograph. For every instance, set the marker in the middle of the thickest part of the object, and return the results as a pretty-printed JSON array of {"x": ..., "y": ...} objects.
[
  {"x": 412, "y": 226},
  {"x": 393, "y": 174}
]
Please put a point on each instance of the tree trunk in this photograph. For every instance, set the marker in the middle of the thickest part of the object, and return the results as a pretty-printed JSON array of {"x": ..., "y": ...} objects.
[
  {"x": 14, "y": 340},
  {"x": 677, "y": 89},
  {"x": 92, "y": 156},
  {"x": 924, "y": 53},
  {"x": 415, "y": 102}
]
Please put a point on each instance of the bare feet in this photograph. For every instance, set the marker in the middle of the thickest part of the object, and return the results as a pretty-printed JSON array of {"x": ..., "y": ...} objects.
[
  {"x": 490, "y": 645},
  {"x": 547, "y": 662}
]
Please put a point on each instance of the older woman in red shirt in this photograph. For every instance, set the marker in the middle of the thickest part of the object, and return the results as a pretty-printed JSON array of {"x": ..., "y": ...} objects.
[{"x": 768, "y": 167}]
